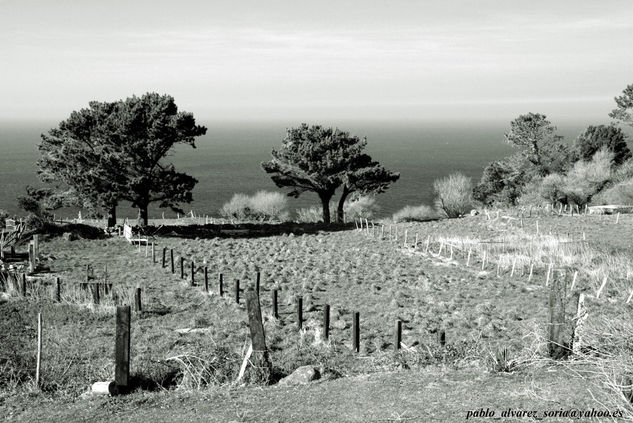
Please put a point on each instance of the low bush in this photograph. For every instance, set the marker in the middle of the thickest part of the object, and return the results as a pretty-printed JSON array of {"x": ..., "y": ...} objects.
[
  {"x": 263, "y": 207},
  {"x": 362, "y": 206},
  {"x": 311, "y": 214},
  {"x": 453, "y": 195},
  {"x": 420, "y": 213}
]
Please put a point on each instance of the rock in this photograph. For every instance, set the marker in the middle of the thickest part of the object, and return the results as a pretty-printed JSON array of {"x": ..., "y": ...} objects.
[
  {"x": 474, "y": 212},
  {"x": 302, "y": 376},
  {"x": 69, "y": 236}
]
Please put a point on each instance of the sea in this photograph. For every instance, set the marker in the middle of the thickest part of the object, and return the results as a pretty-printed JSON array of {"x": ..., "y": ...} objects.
[{"x": 227, "y": 160}]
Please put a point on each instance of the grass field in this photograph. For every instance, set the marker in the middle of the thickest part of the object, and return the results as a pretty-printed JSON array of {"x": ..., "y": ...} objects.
[{"x": 483, "y": 308}]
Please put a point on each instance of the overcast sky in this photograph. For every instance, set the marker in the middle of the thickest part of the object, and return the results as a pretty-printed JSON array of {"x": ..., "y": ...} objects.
[{"x": 429, "y": 60}]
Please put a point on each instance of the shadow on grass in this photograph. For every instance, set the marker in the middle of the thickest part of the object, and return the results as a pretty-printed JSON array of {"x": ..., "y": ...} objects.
[{"x": 245, "y": 230}]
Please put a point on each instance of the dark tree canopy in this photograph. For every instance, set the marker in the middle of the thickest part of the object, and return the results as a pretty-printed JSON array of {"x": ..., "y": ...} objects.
[
  {"x": 596, "y": 137},
  {"x": 318, "y": 159},
  {"x": 534, "y": 132},
  {"x": 115, "y": 151},
  {"x": 502, "y": 181},
  {"x": 624, "y": 110},
  {"x": 364, "y": 176}
]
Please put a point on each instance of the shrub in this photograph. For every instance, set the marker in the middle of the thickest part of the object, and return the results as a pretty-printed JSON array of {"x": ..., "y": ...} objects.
[
  {"x": 311, "y": 214},
  {"x": 420, "y": 213},
  {"x": 263, "y": 206},
  {"x": 586, "y": 179},
  {"x": 619, "y": 194},
  {"x": 237, "y": 208},
  {"x": 454, "y": 195},
  {"x": 270, "y": 205},
  {"x": 552, "y": 188},
  {"x": 595, "y": 138},
  {"x": 361, "y": 206}
]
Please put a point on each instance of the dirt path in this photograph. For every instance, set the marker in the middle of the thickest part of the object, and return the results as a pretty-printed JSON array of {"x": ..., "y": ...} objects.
[{"x": 432, "y": 395}]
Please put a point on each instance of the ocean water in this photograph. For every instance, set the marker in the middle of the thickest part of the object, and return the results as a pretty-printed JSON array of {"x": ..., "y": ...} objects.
[{"x": 227, "y": 160}]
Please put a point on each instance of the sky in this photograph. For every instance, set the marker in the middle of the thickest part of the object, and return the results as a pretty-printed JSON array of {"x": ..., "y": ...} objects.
[{"x": 460, "y": 60}]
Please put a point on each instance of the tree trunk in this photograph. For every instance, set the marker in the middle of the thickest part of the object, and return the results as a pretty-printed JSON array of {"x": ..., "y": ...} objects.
[
  {"x": 340, "y": 217},
  {"x": 142, "y": 215},
  {"x": 325, "y": 203},
  {"x": 112, "y": 216}
]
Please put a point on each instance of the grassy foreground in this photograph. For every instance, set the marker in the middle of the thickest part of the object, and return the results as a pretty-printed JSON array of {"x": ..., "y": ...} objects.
[{"x": 483, "y": 308}]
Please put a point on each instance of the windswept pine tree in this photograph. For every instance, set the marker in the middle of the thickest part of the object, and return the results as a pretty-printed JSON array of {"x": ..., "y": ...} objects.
[
  {"x": 112, "y": 152},
  {"x": 318, "y": 159}
]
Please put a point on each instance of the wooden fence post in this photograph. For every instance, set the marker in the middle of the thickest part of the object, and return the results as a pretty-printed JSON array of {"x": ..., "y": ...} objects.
[
  {"x": 206, "y": 279},
  {"x": 557, "y": 345},
  {"x": 237, "y": 291},
  {"x": 24, "y": 284},
  {"x": 259, "y": 358},
  {"x": 39, "y": 350},
  {"x": 326, "y": 322},
  {"x": 221, "y": 285},
  {"x": 153, "y": 254},
  {"x": 182, "y": 267},
  {"x": 193, "y": 271},
  {"x": 137, "y": 300},
  {"x": 299, "y": 312},
  {"x": 32, "y": 263},
  {"x": 58, "y": 290},
  {"x": 275, "y": 303},
  {"x": 257, "y": 282},
  {"x": 171, "y": 254},
  {"x": 398, "y": 334},
  {"x": 356, "y": 332},
  {"x": 122, "y": 348},
  {"x": 96, "y": 295},
  {"x": 164, "y": 256}
]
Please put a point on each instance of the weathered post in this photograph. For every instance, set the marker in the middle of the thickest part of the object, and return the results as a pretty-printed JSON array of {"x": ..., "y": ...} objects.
[
  {"x": 164, "y": 256},
  {"x": 39, "y": 350},
  {"x": 24, "y": 284},
  {"x": 276, "y": 303},
  {"x": 299, "y": 312},
  {"x": 137, "y": 300},
  {"x": 257, "y": 282},
  {"x": 58, "y": 290},
  {"x": 32, "y": 257},
  {"x": 153, "y": 254},
  {"x": 260, "y": 359},
  {"x": 558, "y": 346},
  {"x": 171, "y": 254},
  {"x": 182, "y": 267},
  {"x": 193, "y": 271},
  {"x": 206, "y": 279},
  {"x": 356, "y": 332},
  {"x": 237, "y": 291},
  {"x": 96, "y": 295},
  {"x": 122, "y": 348},
  {"x": 326, "y": 322},
  {"x": 221, "y": 285},
  {"x": 398, "y": 334}
]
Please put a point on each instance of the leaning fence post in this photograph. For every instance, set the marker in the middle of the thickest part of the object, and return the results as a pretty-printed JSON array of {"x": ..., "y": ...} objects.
[
  {"x": 257, "y": 282},
  {"x": 122, "y": 347},
  {"x": 326, "y": 322},
  {"x": 356, "y": 332},
  {"x": 260, "y": 358}
]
